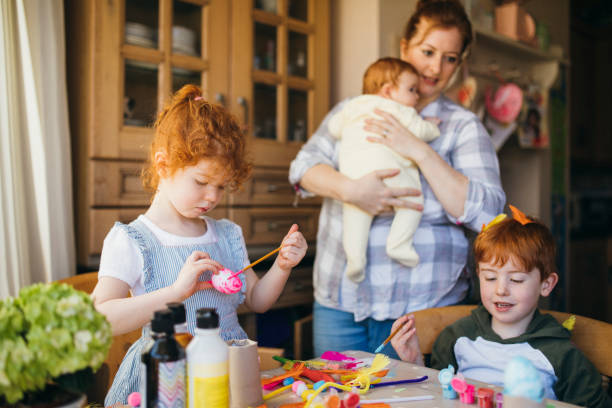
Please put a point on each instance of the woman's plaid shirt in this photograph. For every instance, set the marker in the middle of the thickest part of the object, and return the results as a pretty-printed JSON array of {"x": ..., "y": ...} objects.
[{"x": 389, "y": 288}]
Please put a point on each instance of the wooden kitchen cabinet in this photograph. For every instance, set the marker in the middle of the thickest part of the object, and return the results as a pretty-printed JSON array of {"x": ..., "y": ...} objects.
[{"x": 266, "y": 61}]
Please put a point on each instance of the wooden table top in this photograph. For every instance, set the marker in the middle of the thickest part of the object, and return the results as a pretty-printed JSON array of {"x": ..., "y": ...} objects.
[{"x": 402, "y": 370}]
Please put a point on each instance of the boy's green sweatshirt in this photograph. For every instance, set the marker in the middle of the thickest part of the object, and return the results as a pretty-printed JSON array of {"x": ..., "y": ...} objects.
[{"x": 471, "y": 345}]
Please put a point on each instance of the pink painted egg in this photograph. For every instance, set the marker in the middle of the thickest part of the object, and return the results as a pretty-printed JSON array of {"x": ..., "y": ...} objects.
[{"x": 224, "y": 282}]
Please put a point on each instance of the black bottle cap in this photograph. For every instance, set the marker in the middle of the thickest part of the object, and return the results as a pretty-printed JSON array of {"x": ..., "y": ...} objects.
[
  {"x": 207, "y": 318},
  {"x": 178, "y": 312},
  {"x": 162, "y": 322}
]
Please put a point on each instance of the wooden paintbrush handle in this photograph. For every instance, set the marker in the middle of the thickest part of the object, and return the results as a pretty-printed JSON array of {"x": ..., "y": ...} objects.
[{"x": 257, "y": 261}]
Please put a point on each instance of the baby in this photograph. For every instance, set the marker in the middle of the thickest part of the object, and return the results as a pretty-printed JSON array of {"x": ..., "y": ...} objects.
[{"x": 391, "y": 85}]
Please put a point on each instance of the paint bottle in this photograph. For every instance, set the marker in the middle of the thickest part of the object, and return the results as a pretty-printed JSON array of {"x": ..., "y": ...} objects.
[
  {"x": 181, "y": 334},
  {"x": 163, "y": 366},
  {"x": 208, "y": 368}
]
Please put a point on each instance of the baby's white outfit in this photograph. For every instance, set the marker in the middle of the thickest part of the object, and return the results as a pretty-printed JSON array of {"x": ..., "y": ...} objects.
[{"x": 358, "y": 157}]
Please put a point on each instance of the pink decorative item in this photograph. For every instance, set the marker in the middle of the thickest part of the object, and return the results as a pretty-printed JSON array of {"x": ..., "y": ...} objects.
[
  {"x": 505, "y": 105},
  {"x": 226, "y": 282},
  {"x": 134, "y": 399},
  {"x": 465, "y": 390},
  {"x": 336, "y": 356},
  {"x": 499, "y": 400},
  {"x": 272, "y": 385}
]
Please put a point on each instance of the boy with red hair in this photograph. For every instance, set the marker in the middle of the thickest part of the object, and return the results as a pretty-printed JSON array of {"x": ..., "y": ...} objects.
[{"x": 516, "y": 265}]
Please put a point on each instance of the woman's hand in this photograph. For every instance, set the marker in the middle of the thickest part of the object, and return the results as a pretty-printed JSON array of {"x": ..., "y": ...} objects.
[
  {"x": 188, "y": 281},
  {"x": 395, "y": 136},
  {"x": 293, "y": 249},
  {"x": 405, "y": 342},
  {"x": 372, "y": 195}
]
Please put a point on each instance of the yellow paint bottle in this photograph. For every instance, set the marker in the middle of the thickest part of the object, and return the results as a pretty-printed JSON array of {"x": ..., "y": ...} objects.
[{"x": 207, "y": 363}]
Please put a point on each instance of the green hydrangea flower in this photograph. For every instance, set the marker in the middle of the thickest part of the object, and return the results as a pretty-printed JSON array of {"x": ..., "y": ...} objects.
[{"x": 48, "y": 330}]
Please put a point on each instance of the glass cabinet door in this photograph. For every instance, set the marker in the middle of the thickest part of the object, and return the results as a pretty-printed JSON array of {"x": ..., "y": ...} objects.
[
  {"x": 276, "y": 64},
  {"x": 166, "y": 44}
]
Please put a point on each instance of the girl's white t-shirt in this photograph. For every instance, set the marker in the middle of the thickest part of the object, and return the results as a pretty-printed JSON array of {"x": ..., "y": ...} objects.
[{"x": 121, "y": 257}]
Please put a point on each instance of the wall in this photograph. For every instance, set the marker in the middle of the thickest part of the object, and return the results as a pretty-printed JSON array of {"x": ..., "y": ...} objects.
[{"x": 363, "y": 31}]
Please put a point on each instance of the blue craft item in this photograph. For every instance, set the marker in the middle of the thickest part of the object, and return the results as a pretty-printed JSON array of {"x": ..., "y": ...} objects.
[
  {"x": 317, "y": 385},
  {"x": 379, "y": 348},
  {"x": 445, "y": 376},
  {"x": 388, "y": 339},
  {"x": 412, "y": 380},
  {"x": 522, "y": 379}
]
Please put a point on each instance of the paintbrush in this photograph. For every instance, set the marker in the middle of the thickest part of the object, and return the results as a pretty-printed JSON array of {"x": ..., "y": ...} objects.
[
  {"x": 257, "y": 261},
  {"x": 388, "y": 339}
]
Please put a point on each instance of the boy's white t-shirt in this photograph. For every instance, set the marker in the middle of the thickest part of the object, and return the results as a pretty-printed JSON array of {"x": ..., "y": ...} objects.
[{"x": 121, "y": 257}]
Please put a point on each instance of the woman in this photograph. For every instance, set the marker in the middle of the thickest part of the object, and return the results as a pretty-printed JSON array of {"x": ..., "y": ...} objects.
[{"x": 460, "y": 186}]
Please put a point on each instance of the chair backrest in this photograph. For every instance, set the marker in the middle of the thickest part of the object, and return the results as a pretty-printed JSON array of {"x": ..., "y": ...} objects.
[
  {"x": 430, "y": 322},
  {"x": 591, "y": 336},
  {"x": 105, "y": 375}
]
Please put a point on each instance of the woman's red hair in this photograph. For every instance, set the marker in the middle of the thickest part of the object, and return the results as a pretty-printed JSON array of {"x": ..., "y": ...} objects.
[
  {"x": 444, "y": 14},
  {"x": 190, "y": 129},
  {"x": 530, "y": 245}
]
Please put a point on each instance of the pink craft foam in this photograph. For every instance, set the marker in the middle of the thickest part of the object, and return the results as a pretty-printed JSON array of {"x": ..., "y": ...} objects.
[
  {"x": 224, "y": 282},
  {"x": 134, "y": 399}
]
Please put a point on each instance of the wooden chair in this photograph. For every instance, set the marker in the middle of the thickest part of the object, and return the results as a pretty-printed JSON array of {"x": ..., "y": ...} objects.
[
  {"x": 591, "y": 336},
  {"x": 302, "y": 338},
  {"x": 105, "y": 375}
]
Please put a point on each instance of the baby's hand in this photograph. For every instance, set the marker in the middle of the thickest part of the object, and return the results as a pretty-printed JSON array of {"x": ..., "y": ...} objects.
[
  {"x": 406, "y": 342},
  {"x": 293, "y": 249},
  {"x": 188, "y": 281},
  {"x": 433, "y": 119}
]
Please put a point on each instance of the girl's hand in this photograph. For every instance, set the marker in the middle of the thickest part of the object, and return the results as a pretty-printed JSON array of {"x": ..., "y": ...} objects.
[
  {"x": 406, "y": 342},
  {"x": 372, "y": 195},
  {"x": 293, "y": 249},
  {"x": 188, "y": 281},
  {"x": 395, "y": 136}
]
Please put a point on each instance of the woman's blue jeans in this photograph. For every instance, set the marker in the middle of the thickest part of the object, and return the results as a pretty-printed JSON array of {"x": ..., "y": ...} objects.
[{"x": 336, "y": 330}]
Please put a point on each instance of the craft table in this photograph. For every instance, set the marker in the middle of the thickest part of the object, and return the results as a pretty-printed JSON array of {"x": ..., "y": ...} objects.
[{"x": 402, "y": 370}]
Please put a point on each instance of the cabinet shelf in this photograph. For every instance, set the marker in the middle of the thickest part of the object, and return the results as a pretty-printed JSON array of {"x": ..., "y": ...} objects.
[
  {"x": 136, "y": 52},
  {"x": 493, "y": 39},
  {"x": 266, "y": 17}
]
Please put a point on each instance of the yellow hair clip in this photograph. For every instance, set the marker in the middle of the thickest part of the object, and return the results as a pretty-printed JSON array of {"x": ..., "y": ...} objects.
[{"x": 494, "y": 221}]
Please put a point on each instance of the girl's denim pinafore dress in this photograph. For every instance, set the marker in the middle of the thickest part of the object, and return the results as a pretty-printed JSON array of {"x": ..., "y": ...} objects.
[{"x": 162, "y": 265}]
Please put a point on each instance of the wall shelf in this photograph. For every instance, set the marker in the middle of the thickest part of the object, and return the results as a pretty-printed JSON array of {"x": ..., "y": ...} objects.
[{"x": 491, "y": 38}]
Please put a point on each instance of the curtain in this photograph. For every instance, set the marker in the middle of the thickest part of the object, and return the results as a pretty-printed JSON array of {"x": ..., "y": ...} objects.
[{"x": 36, "y": 222}]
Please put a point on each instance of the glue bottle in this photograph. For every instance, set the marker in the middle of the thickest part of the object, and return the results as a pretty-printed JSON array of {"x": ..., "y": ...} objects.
[
  {"x": 181, "y": 334},
  {"x": 207, "y": 362},
  {"x": 163, "y": 366}
]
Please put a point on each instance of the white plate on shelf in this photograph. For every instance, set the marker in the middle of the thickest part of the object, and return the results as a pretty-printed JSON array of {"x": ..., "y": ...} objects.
[
  {"x": 139, "y": 30},
  {"x": 185, "y": 51},
  {"x": 141, "y": 64},
  {"x": 183, "y": 35},
  {"x": 139, "y": 41},
  {"x": 183, "y": 72}
]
